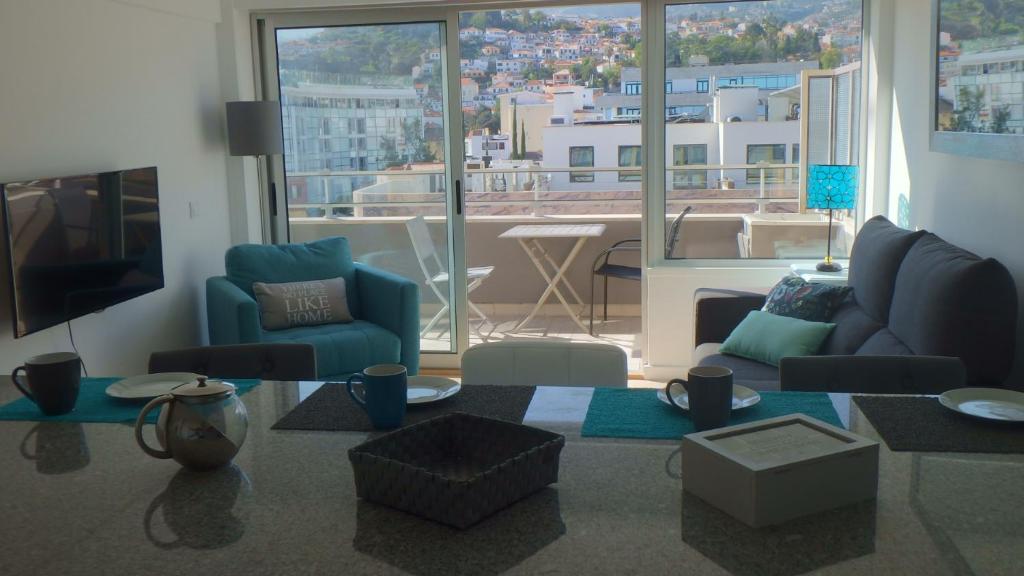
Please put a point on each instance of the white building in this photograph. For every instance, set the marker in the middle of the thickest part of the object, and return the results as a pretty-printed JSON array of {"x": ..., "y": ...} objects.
[
  {"x": 735, "y": 136},
  {"x": 494, "y": 146},
  {"x": 1000, "y": 74},
  {"x": 690, "y": 90}
]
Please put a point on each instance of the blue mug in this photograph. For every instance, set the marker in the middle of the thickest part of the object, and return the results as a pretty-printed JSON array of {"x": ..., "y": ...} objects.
[{"x": 385, "y": 391}]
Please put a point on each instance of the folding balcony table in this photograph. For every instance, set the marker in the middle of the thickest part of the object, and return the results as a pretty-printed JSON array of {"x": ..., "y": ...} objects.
[{"x": 529, "y": 237}]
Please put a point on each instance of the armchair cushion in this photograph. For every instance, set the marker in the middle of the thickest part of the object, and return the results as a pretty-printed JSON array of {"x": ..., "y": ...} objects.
[
  {"x": 342, "y": 349},
  {"x": 280, "y": 263}
]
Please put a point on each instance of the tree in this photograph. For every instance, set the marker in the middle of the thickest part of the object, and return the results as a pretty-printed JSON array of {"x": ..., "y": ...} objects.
[
  {"x": 965, "y": 117},
  {"x": 412, "y": 131},
  {"x": 522, "y": 140},
  {"x": 830, "y": 58},
  {"x": 1000, "y": 119},
  {"x": 515, "y": 135},
  {"x": 391, "y": 156}
]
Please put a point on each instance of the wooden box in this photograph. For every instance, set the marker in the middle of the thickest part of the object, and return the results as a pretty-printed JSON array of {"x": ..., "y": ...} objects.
[{"x": 774, "y": 470}]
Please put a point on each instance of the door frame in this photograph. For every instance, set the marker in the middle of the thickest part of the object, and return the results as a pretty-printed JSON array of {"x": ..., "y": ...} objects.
[{"x": 264, "y": 25}]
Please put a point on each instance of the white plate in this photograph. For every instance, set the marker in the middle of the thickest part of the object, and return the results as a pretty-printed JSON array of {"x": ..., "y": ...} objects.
[
  {"x": 148, "y": 385},
  {"x": 426, "y": 389},
  {"x": 987, "y": 403},
  {"x": 742, "y": 397}
]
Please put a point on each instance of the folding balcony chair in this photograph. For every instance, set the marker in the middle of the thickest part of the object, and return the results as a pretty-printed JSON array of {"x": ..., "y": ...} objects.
[{"x": 436, "y": 272}]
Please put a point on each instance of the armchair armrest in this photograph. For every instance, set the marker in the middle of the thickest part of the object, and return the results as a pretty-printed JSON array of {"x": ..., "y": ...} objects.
[
  {"x": 231, "y": 315},
  {"x": 392, "y": 302},
  {"x": 872, "y": 374},
  {"x": 718, "y": 312}
]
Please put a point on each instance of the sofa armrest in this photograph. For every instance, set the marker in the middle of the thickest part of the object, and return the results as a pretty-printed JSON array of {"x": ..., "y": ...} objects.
[
  {"x": 231, "y": 315},
  {"x": 392, "y": 302},
  {"x": 718, "y": 312},
  {"x": 872, "y": 374}
]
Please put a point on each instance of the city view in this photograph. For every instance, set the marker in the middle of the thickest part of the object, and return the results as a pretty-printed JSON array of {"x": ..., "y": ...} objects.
[
  {"x": 551, "y": 102},
  {"x": 981, "y": 66}
]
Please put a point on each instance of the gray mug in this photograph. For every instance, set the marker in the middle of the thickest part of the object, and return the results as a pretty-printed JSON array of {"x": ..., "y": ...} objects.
[{"x": 710, "y": 393}]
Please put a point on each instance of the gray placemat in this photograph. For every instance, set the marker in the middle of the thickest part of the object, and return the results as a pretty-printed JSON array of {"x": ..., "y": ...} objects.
[
  {"x": 330, "y": 408},
  {"x": 919, "y": 424}
]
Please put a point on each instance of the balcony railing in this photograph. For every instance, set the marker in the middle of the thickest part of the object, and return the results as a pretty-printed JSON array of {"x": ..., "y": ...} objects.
[{"x": 545, "y": 191}]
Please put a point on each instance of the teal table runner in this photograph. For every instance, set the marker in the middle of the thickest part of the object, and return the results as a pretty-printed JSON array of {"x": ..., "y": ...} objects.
[
  {"x": 624, "y": 413},
  {"x": 95, "y": 406}
]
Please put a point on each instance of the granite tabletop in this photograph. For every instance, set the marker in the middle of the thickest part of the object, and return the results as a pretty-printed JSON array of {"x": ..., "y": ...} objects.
[{"x": 84, "y": 499}]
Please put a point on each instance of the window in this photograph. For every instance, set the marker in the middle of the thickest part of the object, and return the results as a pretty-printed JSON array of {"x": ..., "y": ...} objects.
[
  {"x": 668, "y": 87},
  {"x": 702, "y": 86},
  {"x": 581, "y": 157},
  {"x": 796, "y": 154},
  {"x": 633, "y": 89},
  {"x": 630, "y": 157},
  {"x": 689, "y": 155},
  {"x": 765, "y": 153}
]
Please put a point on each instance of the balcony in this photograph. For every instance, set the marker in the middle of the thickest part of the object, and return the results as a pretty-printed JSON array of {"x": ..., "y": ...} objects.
[{"x": 752, "y": 211}]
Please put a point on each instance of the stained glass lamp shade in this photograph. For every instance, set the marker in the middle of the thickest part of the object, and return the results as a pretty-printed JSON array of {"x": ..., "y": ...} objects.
[{"x": 831, "y": 187}]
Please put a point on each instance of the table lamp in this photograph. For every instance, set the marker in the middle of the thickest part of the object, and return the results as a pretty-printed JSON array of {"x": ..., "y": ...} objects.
[{"x": 831, "y": 187}]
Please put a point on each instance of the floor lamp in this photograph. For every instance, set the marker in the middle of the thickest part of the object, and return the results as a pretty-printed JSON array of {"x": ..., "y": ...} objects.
[
  {"x": 254, "y": 129},
  {"x": 831, "y": 187}
]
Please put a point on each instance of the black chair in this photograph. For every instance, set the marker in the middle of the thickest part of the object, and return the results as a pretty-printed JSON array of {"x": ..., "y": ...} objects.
[
  {"x": 623, "y": 272},
  {"x": 263, "y": 361}
]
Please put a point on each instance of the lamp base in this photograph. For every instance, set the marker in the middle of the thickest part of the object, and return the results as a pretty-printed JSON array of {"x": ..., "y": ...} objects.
[{"x": 829, "y": 266}]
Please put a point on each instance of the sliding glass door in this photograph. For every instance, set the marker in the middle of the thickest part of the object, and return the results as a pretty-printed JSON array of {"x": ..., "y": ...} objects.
[{"x": 368, "y": 148}]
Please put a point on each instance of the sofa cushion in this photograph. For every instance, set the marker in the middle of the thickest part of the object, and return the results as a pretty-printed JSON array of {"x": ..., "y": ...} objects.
[
  {"x": 278, "y": 263},
  {"x": 747, "y": 373},
  {"x": 813, "y": 301},
  {"x": 853, "y": 328},
  {"x": 874, "y": 262},
  {"x": 950, "y": 302},
  {"x": 769, "y": 338},
  {"x": 884, "y": 343},
  {"x": 342, "y": 349}
]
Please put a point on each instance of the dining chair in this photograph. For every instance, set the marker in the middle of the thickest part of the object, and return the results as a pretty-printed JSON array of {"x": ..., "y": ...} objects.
[
  {"x": 435, "y": 271},
  {"x": 263, "y": 361},
  {"x": 624, "y": 272},
  {"x": 545, "y": 362},
  {"x": 872, "y": 374}
]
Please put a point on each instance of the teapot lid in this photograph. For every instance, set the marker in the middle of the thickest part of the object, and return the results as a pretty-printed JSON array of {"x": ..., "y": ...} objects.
[{"x": 203, "y": 387}]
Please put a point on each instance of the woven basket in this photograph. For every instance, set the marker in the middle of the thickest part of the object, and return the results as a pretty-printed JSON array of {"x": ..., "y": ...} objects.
[{"x": 456, "y": 469}]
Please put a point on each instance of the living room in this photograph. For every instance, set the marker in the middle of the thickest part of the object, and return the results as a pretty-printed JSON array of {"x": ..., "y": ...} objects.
[{"x": 98, "y": 86}]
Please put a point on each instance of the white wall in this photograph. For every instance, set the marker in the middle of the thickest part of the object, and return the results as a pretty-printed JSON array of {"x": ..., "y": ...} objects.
[
  {"x": 974, "y": 203},
  {"x": 92, "y": 85}
]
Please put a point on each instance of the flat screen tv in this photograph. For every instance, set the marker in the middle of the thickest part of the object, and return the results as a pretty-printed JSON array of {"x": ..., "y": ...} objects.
[{"x": 80, "y": 244}]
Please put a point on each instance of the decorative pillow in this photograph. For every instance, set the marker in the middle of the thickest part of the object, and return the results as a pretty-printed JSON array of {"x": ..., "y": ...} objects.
[
  {"x": 812, "y": 301},
  {"x": 302, "y": 303},
  {"x": 769, "y": 338}
]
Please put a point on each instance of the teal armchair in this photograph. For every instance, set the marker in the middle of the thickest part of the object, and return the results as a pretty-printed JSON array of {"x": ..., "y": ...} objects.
[{"x": 385, "y": 306}]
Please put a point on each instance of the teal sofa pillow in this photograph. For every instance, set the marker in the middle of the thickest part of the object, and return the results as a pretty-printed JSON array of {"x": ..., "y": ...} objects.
[{"x": 769, "y": 338}]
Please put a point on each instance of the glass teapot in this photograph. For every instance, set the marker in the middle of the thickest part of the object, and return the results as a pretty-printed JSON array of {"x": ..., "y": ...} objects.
[{"x": 202, "y": 426}]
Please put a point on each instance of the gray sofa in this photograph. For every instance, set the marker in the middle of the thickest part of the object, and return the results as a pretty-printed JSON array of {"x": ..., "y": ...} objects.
[{"x": 923, "y": 316}]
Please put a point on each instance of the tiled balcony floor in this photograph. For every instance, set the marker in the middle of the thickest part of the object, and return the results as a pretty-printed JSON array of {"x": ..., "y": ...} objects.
[{"x": 623, "y": 331}]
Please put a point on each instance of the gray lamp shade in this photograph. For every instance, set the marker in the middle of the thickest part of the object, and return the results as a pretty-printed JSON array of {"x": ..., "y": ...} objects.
[{"x": 254, "y": 128}]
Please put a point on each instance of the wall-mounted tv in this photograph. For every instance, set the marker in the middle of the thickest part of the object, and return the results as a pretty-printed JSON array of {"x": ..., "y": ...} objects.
[{"x": 80, "y": 244}]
